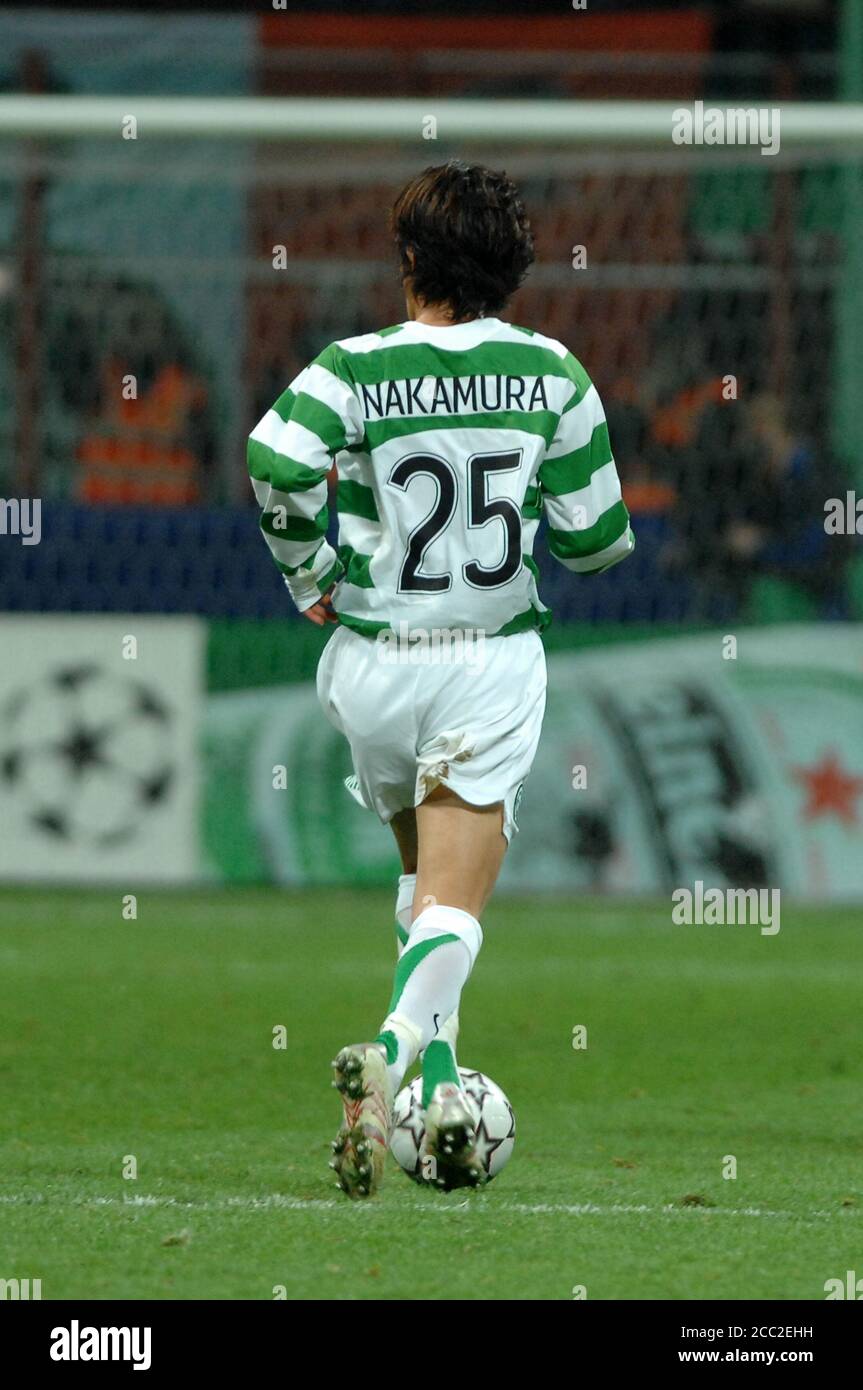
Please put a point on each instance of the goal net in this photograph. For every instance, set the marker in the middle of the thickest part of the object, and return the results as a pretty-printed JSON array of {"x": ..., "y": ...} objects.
[{"x": 156, "y": 295}]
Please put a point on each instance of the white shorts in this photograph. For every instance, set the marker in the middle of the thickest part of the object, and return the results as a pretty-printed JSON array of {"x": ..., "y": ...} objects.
[{"x": 470, "y": 720}]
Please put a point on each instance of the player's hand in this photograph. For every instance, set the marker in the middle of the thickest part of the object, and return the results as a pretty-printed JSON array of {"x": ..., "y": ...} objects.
[{"x": 322, "y": 612}]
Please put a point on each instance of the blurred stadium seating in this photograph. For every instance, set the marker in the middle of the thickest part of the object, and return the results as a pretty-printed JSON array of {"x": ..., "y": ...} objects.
[{"x": 701, "y": 267}]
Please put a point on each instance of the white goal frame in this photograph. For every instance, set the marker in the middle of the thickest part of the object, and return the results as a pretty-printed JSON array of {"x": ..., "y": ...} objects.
[{"x": 641, "y": 123}]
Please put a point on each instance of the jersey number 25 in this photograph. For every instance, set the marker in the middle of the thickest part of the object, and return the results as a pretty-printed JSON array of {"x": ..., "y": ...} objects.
[{"x": 481, "y": 510}]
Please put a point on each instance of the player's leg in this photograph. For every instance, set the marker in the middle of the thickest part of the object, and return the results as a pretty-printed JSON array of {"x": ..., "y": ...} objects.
[
  {"x": 463, "y": 849},
  {"x": 477, "y": 743},
  {"x": 359, "y": 1146},
  {"x": 456, "y": 850},
  {"x": 439, "y": 1058},
  {"x": 460, "y": 851},
  {"x": 353, "y": 687},
  {"x": 404, "y": 828}
]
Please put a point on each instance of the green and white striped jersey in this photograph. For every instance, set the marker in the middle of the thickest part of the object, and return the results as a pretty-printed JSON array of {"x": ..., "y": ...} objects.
[{"x": 449, "y": 443}]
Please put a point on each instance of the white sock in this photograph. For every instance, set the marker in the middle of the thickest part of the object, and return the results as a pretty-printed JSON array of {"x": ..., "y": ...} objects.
[
  {"x": 448, "y": 1032},
  {"x": 405, "y": 908},
  {"x": 431, "y": 973},
  {"x": 404, "y": 919}
]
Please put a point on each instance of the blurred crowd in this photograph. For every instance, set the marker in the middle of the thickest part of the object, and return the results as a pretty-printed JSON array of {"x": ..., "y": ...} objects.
[
  {"x": 735, "y": 490},
  {"x": 720, "y": 477}
]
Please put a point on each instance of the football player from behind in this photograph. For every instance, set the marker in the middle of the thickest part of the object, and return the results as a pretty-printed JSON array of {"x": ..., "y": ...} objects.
[{"x": 453, "y": 434}]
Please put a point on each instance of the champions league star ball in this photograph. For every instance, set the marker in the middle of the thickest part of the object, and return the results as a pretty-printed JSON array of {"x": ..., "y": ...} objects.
[
  {"x": 495, "y": 1125},
  {"x": 85, "y": 755}
]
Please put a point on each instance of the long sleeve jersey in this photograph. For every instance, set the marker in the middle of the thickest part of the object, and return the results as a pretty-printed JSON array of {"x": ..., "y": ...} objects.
[{"x": 449, "y": 445}]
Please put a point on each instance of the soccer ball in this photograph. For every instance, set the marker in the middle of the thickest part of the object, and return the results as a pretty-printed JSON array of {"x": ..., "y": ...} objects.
[{"x": 495, "y": 1125}]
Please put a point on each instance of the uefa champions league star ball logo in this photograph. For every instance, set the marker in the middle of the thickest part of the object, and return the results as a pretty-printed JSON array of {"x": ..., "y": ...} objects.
[{"x": 85, "y": 754}]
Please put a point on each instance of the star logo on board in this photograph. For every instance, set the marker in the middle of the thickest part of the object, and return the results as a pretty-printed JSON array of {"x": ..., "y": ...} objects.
[
  {"x": 830, "y": 790},
  {"x": 86, "y": 753}
]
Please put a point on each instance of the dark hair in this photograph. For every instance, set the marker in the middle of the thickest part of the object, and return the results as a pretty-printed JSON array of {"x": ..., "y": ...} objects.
[{"x": 463, "y": 237}]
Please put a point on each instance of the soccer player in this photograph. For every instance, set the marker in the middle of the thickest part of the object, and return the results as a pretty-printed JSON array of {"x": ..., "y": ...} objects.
[{"x": 452, "y": 434}]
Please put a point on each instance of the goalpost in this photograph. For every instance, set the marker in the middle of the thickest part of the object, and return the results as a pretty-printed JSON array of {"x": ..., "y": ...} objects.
[{"x": 341, "y": 119}]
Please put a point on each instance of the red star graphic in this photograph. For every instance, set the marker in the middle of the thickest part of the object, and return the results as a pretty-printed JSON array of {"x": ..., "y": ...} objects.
[{"x": 829, "y": 790}]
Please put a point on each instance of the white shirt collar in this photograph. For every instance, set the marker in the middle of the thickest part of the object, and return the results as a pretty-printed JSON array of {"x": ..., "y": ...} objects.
[{"x": 455, "y": 335}]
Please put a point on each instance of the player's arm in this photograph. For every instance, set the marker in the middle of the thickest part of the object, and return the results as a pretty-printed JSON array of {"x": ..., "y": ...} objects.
[
  {"x": 290, "y": 452},
  {"x": 588, "y": 524}
]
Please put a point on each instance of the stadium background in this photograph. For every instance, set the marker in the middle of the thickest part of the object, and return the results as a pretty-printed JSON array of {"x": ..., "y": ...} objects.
[
  {"x": 170, "y": 897},
  {"x": 156, "y": 260}
]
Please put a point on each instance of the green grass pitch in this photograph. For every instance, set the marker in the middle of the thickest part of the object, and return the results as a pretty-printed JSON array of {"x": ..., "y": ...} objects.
[{"x": 154, "y": 1038}]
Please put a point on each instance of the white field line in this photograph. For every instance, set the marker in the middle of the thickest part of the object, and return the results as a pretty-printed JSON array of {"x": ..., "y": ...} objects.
[{"x": 279, "y": 1202}]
